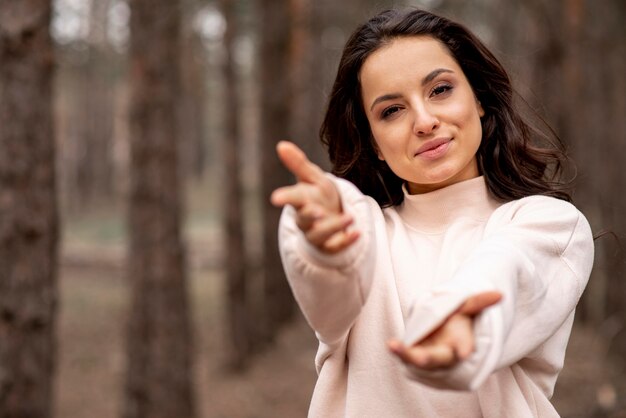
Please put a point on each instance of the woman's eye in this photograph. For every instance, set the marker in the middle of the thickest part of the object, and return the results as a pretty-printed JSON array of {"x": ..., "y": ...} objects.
[
  {"x": 440, "y": 89},
  {"x": 389, "y": 111}
]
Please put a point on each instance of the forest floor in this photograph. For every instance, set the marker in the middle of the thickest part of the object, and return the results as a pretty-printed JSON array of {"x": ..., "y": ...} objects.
[{"x": 93, "y": 308}]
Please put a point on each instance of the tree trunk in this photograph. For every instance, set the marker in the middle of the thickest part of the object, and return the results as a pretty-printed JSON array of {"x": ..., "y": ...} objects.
[
  {"x": 192, "y": 147},
  {"x": 300, "y": 60},
  {"x": 239, "y": 332},
  {"x": 318, "y": 84},
  {"x": 28, "y": 211},
  {"x": 91, "y": 165},
  {"x": 609, "y": 46},
  {"x": 275, "y": 112},
  {"x": 93, "y": 169},
  {"x": 158, "y": 379}
]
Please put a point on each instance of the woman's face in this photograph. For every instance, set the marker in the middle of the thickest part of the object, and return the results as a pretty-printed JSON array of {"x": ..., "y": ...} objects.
[{"x": 422, "y": 112}]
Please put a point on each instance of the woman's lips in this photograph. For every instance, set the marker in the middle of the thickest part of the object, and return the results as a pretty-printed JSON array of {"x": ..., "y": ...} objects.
[{"x": 434, "y": 149}]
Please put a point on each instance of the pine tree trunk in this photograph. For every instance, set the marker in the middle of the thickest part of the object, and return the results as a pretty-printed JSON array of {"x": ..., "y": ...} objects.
[
  {"x": 239, "y": 332},
  {"x": 28, "y": 211},
  {"x": 275, "y": 111},
  {"x": 316, "y": 79},
  {"x": 94, "y": 163},
  {"x": 609, "y": 47},
  {"x": 158, "y": 379},
  {"x": 192, "y": 148}
]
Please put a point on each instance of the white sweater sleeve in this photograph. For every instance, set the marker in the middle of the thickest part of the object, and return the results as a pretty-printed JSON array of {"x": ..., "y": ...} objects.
[
  {"x": 538, "y": 252},
  {"x": 330, "y": 289}
]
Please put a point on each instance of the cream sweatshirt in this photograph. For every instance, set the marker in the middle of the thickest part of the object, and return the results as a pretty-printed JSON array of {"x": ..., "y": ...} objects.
[{"x": 413, "y": 266}]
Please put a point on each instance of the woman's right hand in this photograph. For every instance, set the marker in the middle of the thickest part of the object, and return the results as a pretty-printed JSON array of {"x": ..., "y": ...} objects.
[{"x": 319, "y": 213}]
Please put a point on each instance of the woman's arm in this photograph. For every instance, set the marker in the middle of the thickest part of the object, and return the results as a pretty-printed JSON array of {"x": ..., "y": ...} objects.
[
  {"x": 326, "y": 245},
  {"x": 537, "y": 253}
]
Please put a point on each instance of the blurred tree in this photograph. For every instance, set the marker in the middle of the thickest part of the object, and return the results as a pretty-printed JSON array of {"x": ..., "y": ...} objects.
[
  {"x": 239, "y": 328},
  {"x": 275, "y": 104},
  {"x": 301, "y": 64},
  {"x": 158, "y": 376},
  {"x": 94, "y": 114},
  {"x": 192, "y": 103},
  {"x": 90, "y": 70},
  {"x": 312, "y": 79},
  {"x": 603, "y": 59},
  {"x": 28, "y": 211}
]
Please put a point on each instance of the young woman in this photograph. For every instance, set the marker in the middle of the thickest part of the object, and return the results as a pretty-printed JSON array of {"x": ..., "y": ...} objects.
[{"x": 441, "y": 263}]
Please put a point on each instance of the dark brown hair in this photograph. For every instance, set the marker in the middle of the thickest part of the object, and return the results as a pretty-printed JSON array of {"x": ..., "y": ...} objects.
[{"x": 513, "y": 166}]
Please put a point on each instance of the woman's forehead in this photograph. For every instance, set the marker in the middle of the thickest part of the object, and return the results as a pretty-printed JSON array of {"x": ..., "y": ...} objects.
[{"x": 404, "y": 58}]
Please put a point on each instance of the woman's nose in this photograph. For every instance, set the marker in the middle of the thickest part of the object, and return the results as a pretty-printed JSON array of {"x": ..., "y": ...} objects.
[{"x": 425, "y": 122}]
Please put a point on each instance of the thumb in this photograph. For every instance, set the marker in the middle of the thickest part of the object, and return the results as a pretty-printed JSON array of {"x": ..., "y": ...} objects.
[
  {"x": 297, "y": 162},
  {"x": 476, "y": 304}
]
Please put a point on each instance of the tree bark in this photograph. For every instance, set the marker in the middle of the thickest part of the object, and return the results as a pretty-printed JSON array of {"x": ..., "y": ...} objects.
[
  {"x": 239, "y": 329},
  {"x": 300, "y": 60},
  {"x": 93, "y": 171},
  {"x": 192, "y": 146},
  {"x": 28, "y": 211},
  {"x": 609, "y": 127},
  {"x": 86, "y": 157},
  {"x": 158, "y": 377},
  {"x": 275, "y": 117},
  {"x": 317, "y": 80}
]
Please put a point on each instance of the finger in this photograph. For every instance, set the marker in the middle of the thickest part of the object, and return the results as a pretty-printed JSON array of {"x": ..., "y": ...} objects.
[
  {"x": 410, "y": 357},
  {"x": 460, "y": 335},
  {"x": 340, "y": 241},
  {"x": 295, "y": 196},
  {"x": 464, "y": 346},
  {"x": 327, "y": 227},
  {"x": 297, "y": 162},
  {"x": 476, "y": 304},
  {"x": 437, "y": 356},
  {"x": 308, "y": 215},
  {"x": 428, "y": 358},
  {"x": 400, "y": 350}
]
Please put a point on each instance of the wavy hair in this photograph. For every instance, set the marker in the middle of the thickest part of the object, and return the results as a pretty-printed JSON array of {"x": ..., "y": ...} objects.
[{"x": 513, "y": 165}]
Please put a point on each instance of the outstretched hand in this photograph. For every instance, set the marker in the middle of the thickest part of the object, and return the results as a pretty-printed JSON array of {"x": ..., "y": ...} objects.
[
  {"x": 452, "y": 342},
  {"x": 319, "y": 213}
]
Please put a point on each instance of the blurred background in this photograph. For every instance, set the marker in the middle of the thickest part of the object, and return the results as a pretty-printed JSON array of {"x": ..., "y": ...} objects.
[{"x": 161, "y": 288}]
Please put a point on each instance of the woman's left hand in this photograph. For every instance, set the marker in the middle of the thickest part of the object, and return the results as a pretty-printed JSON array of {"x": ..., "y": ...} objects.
[{"x": 452, "y": 342}]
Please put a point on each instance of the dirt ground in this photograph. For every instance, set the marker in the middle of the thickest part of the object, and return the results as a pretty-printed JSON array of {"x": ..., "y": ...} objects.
[{"x": 280, "y": 381}]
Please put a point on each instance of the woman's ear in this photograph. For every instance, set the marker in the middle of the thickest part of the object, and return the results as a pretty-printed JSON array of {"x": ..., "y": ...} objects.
[{"x": 481, "y": 111}]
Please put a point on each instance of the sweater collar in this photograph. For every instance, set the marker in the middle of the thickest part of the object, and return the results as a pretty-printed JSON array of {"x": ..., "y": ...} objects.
[{"x": 435, "y": 211}]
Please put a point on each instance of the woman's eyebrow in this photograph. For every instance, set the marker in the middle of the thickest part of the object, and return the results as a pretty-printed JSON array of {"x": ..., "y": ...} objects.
[
  {"x": 429, "y": 77},
  {"x": 384, "y": 97},
  {"x": 434, "y": 73}
]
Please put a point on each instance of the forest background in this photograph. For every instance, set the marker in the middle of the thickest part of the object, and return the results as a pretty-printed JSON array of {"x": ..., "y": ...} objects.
[{"x": 140, "y": 275}]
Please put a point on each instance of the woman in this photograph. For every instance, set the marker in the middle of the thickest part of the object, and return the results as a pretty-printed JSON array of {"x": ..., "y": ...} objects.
[{"x": 442, "y": 225}]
